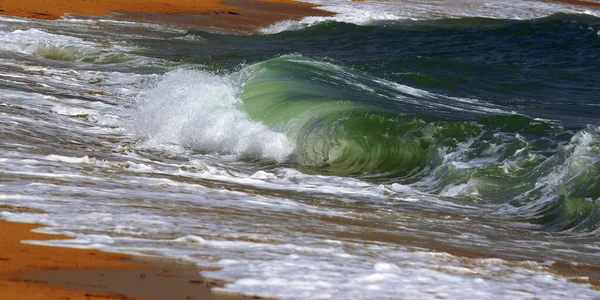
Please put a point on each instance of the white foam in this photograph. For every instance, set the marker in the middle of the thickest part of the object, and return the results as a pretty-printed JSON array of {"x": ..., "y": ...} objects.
[
  {"x": 198, "y": 110},
  {"x": 72, "y": 111},
  {"x": 371, "y": 11},
  {"x": 417, "y": 275},
  {"x": 39, "y": 42},
  {"x": 465, "y": 189}
]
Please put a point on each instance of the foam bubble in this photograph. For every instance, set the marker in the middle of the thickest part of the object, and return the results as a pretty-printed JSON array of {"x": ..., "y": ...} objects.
[{"x": 199, "y": 110}]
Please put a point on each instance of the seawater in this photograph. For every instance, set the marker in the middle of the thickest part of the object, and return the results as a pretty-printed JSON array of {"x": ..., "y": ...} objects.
[{"x": 396, "y": 150}]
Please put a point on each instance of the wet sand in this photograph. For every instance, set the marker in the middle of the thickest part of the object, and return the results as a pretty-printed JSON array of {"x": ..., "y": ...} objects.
[
  {"x": 243, "y": 15},
  {"x": 41, "y": 272}
]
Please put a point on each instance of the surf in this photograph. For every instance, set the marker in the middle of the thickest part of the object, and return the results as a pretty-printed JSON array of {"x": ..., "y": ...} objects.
[{"x": 325, "y": 118}]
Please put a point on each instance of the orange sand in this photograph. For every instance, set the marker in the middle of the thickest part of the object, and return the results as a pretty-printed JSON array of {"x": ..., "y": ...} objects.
[
  {"x": 54, "y": 9},
  {"x": 40, "y": 272},
  {"x": 240, "y": 15},
  {"x": 245, "y": 15}
]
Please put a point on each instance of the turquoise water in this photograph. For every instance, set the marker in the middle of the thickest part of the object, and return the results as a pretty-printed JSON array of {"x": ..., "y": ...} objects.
[{"x": 397, "y": 157}]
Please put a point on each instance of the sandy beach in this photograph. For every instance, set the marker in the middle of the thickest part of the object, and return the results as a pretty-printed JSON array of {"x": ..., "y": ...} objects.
[
  {"x": 39, "y": 272},
  {"x": 30, "y": 271},
  {"x": 244, "y": 15}
]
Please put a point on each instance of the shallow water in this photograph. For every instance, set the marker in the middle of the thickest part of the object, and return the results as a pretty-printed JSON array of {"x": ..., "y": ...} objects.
[{"x": 433, "y": 150}]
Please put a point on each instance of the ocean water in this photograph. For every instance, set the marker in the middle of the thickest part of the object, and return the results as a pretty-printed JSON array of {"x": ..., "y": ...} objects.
[{"x": 397, "y": 150}]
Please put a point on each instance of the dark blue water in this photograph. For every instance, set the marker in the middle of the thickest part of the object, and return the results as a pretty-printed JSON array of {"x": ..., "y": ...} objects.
[
  {"x": 545, "y": 67},
  {"x": 516, "y": 103}
]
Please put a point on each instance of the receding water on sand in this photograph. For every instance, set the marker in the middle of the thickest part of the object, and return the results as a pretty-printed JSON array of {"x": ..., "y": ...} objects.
[{"x": 410, "y": 155}]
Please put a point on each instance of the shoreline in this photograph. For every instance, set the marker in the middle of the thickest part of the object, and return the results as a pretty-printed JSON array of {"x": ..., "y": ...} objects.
[
  {"x": 236, "y": 15},
  {"x": 88, "y": 279},
  {"x": 32, "y": 271},
  {"x": 29, "y": 271},
  {"x": 38, "y": 272}
]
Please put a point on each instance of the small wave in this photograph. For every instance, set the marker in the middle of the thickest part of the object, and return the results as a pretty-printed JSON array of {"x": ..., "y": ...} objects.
[
  {"x": 329, "y": 119},
  {"x": 58, "y": 47},
  {"x": 567, "y": 198},
  {"x": 345, "y": 122},
  {"x": 368, "y": 12}
]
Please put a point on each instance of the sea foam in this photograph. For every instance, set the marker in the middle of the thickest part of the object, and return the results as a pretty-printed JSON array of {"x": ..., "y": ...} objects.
[
  {"x": 369, "y": 12},
  {"x": 198, "y": 110}
]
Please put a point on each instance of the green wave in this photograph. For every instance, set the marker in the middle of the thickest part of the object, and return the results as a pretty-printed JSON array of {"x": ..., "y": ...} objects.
[
  {"x": 573, "y": 188},
  {"x": 345, "y": 122},
  {"x": 338, "y": 128}
]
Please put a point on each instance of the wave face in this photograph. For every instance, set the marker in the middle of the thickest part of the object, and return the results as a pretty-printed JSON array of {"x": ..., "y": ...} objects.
[
  {"x": 499, "y": 112},
  {"x": 345, "y": 122},
  {"x": 541, "y": 67},
  {"x": 429, "y": 158}
]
